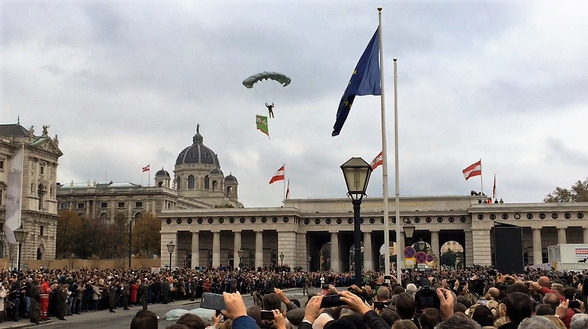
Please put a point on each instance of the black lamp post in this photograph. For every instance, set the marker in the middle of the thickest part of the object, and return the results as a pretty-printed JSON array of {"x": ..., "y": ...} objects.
[
  {"x": 282, "y": 259},
  {"x": 170, "y": 249},
  {"x": 130, "y": 240},
  {"x": 357, "y": 176},
  {"x": 408, "y": 232},
  {"x": 20, "y": 235},
  {"x": 240, "y": 253},
  {"x": 422, "y": 245}
]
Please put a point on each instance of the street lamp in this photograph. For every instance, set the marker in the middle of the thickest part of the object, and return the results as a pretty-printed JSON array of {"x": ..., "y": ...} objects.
[
  {"x": 20, "y": 235},
  {"x": 170, "y": 248},
  {"x": 282, "y": 259},
  {"x": 422, "y": 245},
  {"x": 240, "y": 253},
  {"x": 408, "y": 232},
  {"x": 357, "y": 176}
]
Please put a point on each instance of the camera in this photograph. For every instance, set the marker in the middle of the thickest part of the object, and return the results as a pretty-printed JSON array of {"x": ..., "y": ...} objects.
[
  {"x": 213, "y": 301},
  {"x": 331, "y": 301},
  {"x": 426, "y": 297},
  {"x": 267, "y": 315}
]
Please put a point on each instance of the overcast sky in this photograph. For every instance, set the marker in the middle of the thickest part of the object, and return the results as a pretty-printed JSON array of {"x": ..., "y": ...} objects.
[{"x": 124, "y": 84}]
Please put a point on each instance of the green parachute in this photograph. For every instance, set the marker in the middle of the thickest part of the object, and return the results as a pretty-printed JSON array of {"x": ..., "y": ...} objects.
[{"x": 278, "y": 77}]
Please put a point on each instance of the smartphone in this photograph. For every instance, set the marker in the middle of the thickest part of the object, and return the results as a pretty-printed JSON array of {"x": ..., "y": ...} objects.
[
  {"x": 332, "y": 301},
  {"x": 574, "y": 304},
  {"x": 325, "y": 286},
  {"x": 387, "y": 279},
  {"x": 267, "y": 315},
  {"x": 213, "y": 301},
  {"x": 381, "y": 305}
]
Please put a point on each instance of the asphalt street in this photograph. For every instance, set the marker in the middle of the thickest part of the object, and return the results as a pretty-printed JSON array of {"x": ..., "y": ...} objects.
[{"x": 121, "y": 319}]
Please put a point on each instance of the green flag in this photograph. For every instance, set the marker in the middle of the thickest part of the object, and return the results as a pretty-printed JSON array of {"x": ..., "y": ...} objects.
[{"x": 261, "y": 122}]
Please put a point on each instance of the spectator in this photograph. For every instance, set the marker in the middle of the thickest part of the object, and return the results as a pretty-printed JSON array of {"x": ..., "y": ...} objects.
[{"x": 144, "y": 319}]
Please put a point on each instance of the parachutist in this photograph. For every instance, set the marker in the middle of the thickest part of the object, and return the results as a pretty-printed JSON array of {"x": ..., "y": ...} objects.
[{"x": 270, "y": 108}]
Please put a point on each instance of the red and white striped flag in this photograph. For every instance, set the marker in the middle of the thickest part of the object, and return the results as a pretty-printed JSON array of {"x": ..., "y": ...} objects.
[
  {"x": 146, "y": 168},
  {"x": 377, "y": 161},
  {"x": 280, "y": 175},
  {"x": 494, "y": 188},
  {"x": 472, "y": 170},
  {"x": 288, "y": 190}
]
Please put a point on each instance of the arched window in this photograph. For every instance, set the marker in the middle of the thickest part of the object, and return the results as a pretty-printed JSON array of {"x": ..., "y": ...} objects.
[
  {"x": 206, "y": 182},
  {"x": 190, "y": 182},
  {"x": 40, "y": 193},
  {"x": 1, "y": 249},
  {"x": 39, "y": 254},
  {"x": 104, "y": 217},
  {"x": 214, "y": 185}
]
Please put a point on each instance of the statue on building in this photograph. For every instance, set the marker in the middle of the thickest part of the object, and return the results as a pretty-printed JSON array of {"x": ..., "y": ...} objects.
[{"x": 45, "y": 130}]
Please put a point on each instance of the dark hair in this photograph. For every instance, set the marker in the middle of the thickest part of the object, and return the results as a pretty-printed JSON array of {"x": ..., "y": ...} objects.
[
  {"x": 405, "y": 305},
  {"x": 544, "y": 309},
  {"x": 192, "y": 321},
  {"x": 430, "y": 318},
  {"x": 144, "y": 319},
  {"x": 483, "y": 315},
  {"x": 518, "y": 306},
  {"x": 390, "y": 316},
  {"x": 404, "y": 324},
  {"x": 458, "y": 322},
  {"x": 177, "y": 326},
  {"x": 271, "y": 302}
]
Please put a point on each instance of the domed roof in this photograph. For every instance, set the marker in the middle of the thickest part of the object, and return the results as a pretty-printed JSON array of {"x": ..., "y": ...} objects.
[
  {"x": 231, "y": 178},
  {"x": 197, "y": 152},
  {"x": 216, "y": 171},
  {"x": 162, "y": 173}
]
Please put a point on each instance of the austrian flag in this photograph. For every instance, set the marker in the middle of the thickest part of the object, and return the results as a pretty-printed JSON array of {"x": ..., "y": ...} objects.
[
  {"x": 377, "y": 161},
  {"x": 280, "y": 175},
  {"x": 146, "y": 168},
  {"x": 472, "y": 170}
]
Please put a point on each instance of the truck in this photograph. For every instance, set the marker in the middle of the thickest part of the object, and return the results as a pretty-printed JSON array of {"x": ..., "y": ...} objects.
[{"x": 568, "y": 257}]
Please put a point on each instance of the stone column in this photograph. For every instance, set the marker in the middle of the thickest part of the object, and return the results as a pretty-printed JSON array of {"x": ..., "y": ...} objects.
[
  {"x": 479, "y": 253},
  {"x": 258, "y": 249},
  {"x": 368, "y": 256},
  {"x": 561, "y": 235},
  {"x": 165, "y": 239},
  {"x": 216, "y": 249},
  {"x": 195, "y": 249},
  {"x": 435, "y": 247},
  {"x": 236, "y": 247},
  {"x": 537, "y": 250},
  {"x": 335, "y": 262}
]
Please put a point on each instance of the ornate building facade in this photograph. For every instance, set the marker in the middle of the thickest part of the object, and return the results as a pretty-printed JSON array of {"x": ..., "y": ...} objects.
[
  {"x": 38, "y": 197},
  {"x": 198, "y": 183},
  {"x": 301, "y": 228}
]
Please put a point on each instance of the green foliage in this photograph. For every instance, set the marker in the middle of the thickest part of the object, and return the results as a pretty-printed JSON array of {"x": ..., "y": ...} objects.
[
  {"x": 146, "y": 238},
  {"x": 577, "y": 193},
  {"x": 69, "y": 224}
]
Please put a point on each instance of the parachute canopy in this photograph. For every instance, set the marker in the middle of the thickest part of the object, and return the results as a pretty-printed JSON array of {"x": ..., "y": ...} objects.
[{"x": 279, "y": 77}]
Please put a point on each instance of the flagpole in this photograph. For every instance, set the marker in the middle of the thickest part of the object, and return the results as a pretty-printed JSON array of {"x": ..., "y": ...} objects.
[
  {"x": 400, "y": 248},
  {"x": 384, "y": 152},
  {"x": 284, "y": 181},
  {"x": 481, "y": 173}
]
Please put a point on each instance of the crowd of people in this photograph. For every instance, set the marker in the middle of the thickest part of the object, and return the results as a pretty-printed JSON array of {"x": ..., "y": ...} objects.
[{"x": 477, "y": 297}]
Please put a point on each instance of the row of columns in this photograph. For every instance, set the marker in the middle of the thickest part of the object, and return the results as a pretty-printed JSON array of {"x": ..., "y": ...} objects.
[
  {"x": 368, "y": 252},
  {"x": 561, "y": 239}
]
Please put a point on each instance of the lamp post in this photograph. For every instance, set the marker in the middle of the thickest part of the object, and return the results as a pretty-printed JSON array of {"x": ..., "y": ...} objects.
[
  {"x": 130, "y": 240},
  {"x": 357, "y": 176},
  {"x": 170, "y": 249},
  {"x": 20, "y": 235},
  {"x": 422, "y": 245},
  {"x": 408, "y": 232},
  {"x": 282, "y": 259},
  {"x": 240, "y": 253}
]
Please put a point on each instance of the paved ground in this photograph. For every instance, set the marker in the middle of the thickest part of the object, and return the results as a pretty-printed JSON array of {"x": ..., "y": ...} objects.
[{"x": 121, "y": 319}]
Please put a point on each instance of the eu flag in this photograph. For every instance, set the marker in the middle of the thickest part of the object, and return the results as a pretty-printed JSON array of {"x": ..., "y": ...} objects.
[{"x": 365, "y": 80}]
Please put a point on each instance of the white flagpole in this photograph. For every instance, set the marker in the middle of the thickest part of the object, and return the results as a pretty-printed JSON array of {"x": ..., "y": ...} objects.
[
  {"x": 284, "y": 182},
  {"x": 481, "y": 173},
  {"x": 384, "y": 153},
  {"x": 400, "y": 247}
]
